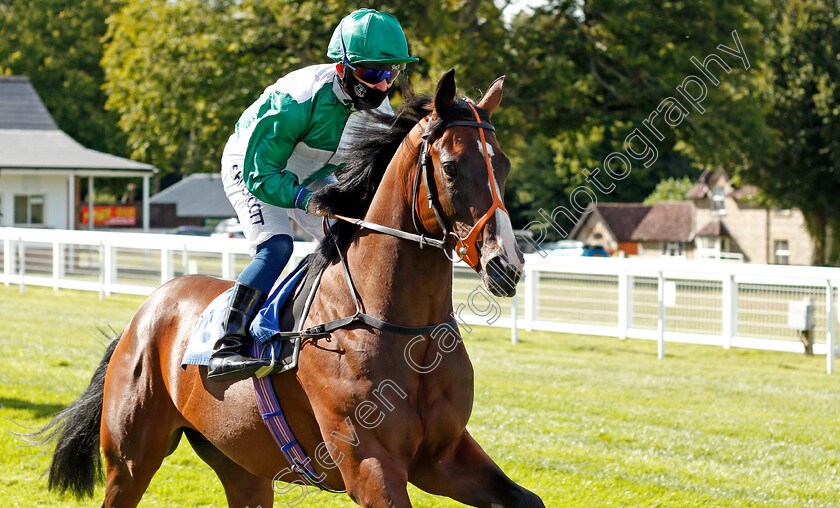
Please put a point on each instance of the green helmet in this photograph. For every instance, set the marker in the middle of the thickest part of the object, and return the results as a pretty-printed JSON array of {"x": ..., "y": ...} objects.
[{"x": 369, "y": 36}]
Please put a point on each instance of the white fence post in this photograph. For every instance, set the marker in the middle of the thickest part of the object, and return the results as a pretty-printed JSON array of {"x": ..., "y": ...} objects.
[
  {"x": 8, "y": 260},
  {"x": 625, "y": 303},
  {"x": 166, "y": 269},
  {"x": 532, "y": 282},
  {"x": 831, "y": 317},
  {"x": 227, "y": 265},
  {"x": 185, "y": 260},
  {"x": 103, "y": 269},
  {"x": 660, "y": 350},
  {"x": 110, "y": 264},
  {"x": 22, "y": 264},
  {"x": 730, "y": 310},
  {"x": 514, "y": 327}
]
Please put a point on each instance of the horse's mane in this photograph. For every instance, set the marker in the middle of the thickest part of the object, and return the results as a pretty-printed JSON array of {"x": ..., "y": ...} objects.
[{"x": 356, "y": 182}]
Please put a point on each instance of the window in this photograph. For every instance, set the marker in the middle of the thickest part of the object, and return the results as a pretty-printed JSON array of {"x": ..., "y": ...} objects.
[
  {"x": 782, "y": 252},
  {"x": 29, "y": 209},
  {"x": 718, "y": 197},
  {"x": 673, "y": 248}
]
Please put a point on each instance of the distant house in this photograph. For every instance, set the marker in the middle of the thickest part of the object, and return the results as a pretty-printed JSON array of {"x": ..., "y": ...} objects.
[
  {"x": 41, "y": 167},
  {"x": 667, "y": 230},
  {"x": 717, "y": 221},
  {"x": 197, "y": 200},
  {"x": 611, "y": 225},
  {"x": 758, "y": 233}
]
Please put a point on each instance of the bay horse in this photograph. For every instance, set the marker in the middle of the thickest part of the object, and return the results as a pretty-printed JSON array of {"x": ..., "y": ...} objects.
[{"x": 358, "y": 404}]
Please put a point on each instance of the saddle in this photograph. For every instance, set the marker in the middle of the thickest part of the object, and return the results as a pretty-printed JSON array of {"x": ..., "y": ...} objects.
[
  {"x": 273, "y": 327},
  {"x": 277, "y": 326}
]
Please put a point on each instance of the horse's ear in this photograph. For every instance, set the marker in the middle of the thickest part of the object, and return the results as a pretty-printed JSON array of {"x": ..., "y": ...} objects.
[
  {"x": 493, "y": 96},
  {"x": 445, "y": 93}
]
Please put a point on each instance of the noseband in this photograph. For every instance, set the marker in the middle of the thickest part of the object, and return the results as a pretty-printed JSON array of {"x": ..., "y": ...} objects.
[{"x": 465, "y": 247}]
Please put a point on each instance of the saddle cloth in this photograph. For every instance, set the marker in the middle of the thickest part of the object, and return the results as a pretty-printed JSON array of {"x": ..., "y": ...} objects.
[{"x": 264, "y": 327}]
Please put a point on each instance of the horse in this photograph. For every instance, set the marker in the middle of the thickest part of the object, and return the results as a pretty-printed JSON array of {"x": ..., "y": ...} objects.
[{"x": 362, "y": 402}]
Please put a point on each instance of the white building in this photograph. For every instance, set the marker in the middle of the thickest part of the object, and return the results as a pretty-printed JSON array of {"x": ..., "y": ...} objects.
[{"x": 41, "y": 167}]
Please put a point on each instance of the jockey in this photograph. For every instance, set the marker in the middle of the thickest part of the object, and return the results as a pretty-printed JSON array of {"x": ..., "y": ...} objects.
[{"x": 287, "y": 144}]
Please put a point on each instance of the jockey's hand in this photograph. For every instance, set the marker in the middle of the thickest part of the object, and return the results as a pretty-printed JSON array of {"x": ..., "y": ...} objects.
[{"x": 314, "y": 210}]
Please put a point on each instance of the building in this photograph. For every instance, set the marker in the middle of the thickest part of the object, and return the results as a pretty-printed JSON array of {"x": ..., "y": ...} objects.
[
  {"x": 717, "y": 221},
  {"x": 197, "y": 200},
  {"x": 759, "y": 233},
  {"x": 667, "y": 230},
  {"x": 42, "y": 168},
  {"x": 611, "y": 225}
]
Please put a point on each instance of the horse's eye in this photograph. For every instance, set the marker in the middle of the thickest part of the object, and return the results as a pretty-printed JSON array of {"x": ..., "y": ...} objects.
[{"x": 450, "y": 168}]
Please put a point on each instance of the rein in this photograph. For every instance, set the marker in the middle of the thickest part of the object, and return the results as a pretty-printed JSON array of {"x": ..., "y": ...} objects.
[
  {"x": 425, "y": 169},
  {"x": 467, "y": 248}
]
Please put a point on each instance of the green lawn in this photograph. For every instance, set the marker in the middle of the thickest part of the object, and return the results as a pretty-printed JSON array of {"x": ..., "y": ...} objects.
[{"x": 582, "y": 421}]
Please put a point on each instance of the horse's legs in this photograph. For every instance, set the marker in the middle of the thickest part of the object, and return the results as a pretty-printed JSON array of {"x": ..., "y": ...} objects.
[
  {"x": 467, "y": 474},
  {"x": 140, "y": 425},
  {"x": 132, "y": 461},
  {"x": 376, "y": 481},
  {"x": 241, "y": 487}
]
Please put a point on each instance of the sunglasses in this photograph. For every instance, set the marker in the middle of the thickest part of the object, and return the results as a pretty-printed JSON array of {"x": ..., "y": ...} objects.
[{"x": 374, "y": 76}]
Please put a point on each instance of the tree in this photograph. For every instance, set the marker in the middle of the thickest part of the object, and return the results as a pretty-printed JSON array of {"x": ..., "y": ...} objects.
[
  {"x": 180, "y": 73},
  {"x": 584, "y": 75},
  {"x": 670, "y": 189},
  {"x": 57, "y": 44},
  {"x": 803, "y": 169}
]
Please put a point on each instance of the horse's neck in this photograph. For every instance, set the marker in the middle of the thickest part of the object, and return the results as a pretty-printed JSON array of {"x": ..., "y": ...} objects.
[{"x": 409, "y": 284}]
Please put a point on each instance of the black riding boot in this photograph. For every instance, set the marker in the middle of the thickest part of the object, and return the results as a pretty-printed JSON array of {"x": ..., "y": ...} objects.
[{"x": 229, "y": 360}]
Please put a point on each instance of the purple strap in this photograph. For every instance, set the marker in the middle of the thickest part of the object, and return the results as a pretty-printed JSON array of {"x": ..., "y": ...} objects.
[{"x": 280, "y": 431}]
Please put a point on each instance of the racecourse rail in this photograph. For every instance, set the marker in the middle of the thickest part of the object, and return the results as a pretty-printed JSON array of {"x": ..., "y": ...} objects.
[{"x": 666, "y": 300}]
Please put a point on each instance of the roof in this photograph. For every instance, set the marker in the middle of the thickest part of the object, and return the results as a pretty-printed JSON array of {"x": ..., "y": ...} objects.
[
  {"x": 744, "y": 192},
  {"x": 620, "y": 218},
  {"x": 714, "y": 227},
  {"x": 666, "y": 222},
  {"x": 702, "y": 189},
  {"x": 197, "y": 195},
  {"x": 20, "y": 106},
  {"x": 30, "y": 139}
]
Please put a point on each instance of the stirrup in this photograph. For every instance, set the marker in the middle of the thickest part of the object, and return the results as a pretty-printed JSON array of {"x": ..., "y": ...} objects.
[{"x": 264, "y": 371}]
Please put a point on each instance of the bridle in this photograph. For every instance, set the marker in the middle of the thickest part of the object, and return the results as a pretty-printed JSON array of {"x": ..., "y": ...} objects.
[{"x": 465, "y": 247}]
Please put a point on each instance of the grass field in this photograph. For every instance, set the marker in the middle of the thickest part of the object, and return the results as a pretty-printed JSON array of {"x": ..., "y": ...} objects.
[{"x": 582, "y": 421}]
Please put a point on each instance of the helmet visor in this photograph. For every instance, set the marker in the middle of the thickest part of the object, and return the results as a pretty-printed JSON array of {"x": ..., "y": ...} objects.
[{"x": 373, "y": 75}]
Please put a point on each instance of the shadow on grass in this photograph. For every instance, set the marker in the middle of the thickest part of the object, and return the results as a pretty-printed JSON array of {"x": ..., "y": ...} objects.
[{"x": 37, "y": 410}]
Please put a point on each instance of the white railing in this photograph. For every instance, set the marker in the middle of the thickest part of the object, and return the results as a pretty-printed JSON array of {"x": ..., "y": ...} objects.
[
  {"x": 723, "y": 304},
  {"x": 133, "y": 263},
  {"x": 716, "y": 255}
]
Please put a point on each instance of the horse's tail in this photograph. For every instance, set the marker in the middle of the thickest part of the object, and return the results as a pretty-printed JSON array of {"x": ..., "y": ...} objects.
[{"x": 76, "y": 465}]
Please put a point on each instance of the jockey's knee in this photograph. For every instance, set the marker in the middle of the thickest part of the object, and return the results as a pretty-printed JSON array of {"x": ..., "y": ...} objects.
[
  {"x": 276, "y": 251},
  {"x": 268, "y": 263}
]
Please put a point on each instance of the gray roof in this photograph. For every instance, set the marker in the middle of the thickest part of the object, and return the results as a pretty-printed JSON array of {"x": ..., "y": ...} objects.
[
  {"x": 197, "y": 195},
  {"x": 20, "y": 106},
  {"x": 30, "y": 139}
]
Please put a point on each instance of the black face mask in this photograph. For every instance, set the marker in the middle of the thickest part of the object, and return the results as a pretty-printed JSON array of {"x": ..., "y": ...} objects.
[{"x": 363, "y": 96}]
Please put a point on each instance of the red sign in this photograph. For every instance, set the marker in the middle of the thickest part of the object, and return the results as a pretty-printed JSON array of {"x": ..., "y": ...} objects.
[{"x": 111, "y": 215}]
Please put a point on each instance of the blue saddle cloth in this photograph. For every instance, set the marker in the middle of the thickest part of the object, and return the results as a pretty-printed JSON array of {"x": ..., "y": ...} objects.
[{"x": 265, "y": 325}]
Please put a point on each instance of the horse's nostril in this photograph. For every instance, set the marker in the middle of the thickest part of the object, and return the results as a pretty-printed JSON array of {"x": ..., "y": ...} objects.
[{"x": 503, "y": 272}]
